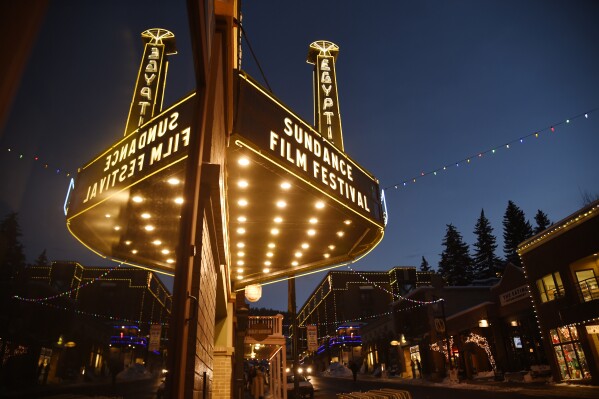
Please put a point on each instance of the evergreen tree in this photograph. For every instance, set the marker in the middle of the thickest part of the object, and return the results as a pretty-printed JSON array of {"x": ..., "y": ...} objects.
[
  {"x": 516, "y": 229},
  {"x": 42, "y": 260},
  {"x": 424, "y": 266},
  {"x": 456, "y": 264},
  {"x": 12, "y": 255},
  {"x": 542, "y": 220},
  {"x": 485, "y": 262}
]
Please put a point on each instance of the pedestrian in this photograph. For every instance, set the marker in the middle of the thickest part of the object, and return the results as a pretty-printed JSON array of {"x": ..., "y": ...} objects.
[
  {"x": 46, "y": 372},
  {"x": 413, "y": 364},
  {"x": 418, "y": 367},
  {"x": 258, "y": 384},
  {"x": 353, "y": 366}
]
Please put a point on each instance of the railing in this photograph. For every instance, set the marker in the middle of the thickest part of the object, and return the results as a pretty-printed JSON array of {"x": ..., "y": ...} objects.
[
  {"x": 588, "y": 289},
  {"x": 274, "y": 323}
]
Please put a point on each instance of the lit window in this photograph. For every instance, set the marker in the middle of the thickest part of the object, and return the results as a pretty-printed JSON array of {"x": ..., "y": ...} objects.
[{"x": 550, "y": 287}]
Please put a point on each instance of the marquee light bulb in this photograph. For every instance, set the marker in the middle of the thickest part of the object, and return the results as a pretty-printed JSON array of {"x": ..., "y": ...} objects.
[
  {"x": 173, "y": 181},
  {"x": 319, "y": 205},
  {"x": 137, "y": 199},
  {"x": 243, "y": 161},
  {"x": 242, "y": 183},
  {"x": 179, "y": 200},
  {"x": 149, "y": 227},
  {"x": 285, "y": 185}
]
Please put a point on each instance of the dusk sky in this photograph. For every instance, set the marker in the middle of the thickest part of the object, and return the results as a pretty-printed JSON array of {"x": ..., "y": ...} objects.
[{"x": 422, "y": 85}]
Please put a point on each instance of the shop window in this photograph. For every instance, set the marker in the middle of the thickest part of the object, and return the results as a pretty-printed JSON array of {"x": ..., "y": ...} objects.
[
  {"x": 588, "y": 284},
  {"x": 550, "y": 287},
  {"x": 568, "y": 353}
]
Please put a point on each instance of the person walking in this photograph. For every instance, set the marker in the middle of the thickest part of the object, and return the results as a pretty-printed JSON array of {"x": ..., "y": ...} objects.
[{"x": 258, "y": 384}]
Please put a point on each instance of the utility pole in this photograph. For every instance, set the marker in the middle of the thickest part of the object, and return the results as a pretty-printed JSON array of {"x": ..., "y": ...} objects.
[{"x": 294, "y": 337}]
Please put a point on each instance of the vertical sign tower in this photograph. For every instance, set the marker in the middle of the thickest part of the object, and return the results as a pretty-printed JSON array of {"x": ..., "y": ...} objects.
[
  {"x": 151, "y": 78},
  {"x": 323, "y": 54}
]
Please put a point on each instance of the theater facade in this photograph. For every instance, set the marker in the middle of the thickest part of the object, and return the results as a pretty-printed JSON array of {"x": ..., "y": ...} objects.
[{"x": 225, "y": 189}]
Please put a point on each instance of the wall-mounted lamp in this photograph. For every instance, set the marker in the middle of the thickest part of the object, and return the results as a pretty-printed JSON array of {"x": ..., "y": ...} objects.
[{"x": 483, "y": 323}]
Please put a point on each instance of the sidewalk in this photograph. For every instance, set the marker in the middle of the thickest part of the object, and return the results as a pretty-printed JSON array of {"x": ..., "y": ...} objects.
[{"x": 541, "y": 387}]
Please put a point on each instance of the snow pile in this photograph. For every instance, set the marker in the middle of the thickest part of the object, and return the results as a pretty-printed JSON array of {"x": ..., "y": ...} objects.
[
  {"x": 134, "y": 372},
  {"x": 336, "y": 369}
]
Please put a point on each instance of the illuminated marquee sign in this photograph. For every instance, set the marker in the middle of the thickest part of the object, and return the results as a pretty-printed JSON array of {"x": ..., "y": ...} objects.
[
  {"x": 266, "y": 126},
  {"x": 161, "y": 142},
  {"x": 328, "y": 119},
  {"x": 149, "y": 88}
]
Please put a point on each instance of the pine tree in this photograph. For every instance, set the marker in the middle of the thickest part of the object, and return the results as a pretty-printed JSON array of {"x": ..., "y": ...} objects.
[
  {"x": 42, "y": 260},
  {"x": 456, "y": 264},
  {"x": 485, "y": 262},
  {"x": 542, "y": 221},
  {"x": 424, "y": 266},
  {"x": 12, "y": 255},
  {"x": 516, "y": 229}
]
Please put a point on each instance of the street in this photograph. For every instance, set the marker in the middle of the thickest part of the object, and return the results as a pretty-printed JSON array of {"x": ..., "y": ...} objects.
[{"x": 328, "y": 387}]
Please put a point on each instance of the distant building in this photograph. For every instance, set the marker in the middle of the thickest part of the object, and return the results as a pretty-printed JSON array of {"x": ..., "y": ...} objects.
[
  {"x": 343, "y": 297},
  {"x": 107, "y": 316},
  {"x": 562, "y": 269}
]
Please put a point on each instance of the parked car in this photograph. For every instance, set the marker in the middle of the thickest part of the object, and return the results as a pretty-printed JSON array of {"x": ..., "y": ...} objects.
[{"x": 306, "y": 389}]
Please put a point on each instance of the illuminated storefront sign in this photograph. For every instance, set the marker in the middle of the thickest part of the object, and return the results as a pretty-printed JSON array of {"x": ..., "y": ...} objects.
[
  {"x": 514, "y": 295},
  {"x": 328, "y": 119},
  {"x": 269, "y": 128}
]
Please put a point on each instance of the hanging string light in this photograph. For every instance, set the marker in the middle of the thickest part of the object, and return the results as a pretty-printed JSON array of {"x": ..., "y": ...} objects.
[
  {"x": 480, "y": 154},
  {"x": 68, "y": 292},
  {"x": 21, "y": 156},
  {"x": 395, "y": 296},
  {"x": 97, "y": 315}
]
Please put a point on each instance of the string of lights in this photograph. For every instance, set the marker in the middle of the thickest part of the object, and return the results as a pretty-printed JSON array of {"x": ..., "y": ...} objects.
[
  {"x": 97, "y": 315},
  {"x": 68, "y": 292},
  {"x": 506, "y": 146},
  {"x": 483, "y": 343},
  {"x": 36, "y": 158},
  {"x": 394, "y": 296}
]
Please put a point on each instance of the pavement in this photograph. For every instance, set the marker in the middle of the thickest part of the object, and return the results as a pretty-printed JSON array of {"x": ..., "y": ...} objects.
[{"x": 538, "y": 387}]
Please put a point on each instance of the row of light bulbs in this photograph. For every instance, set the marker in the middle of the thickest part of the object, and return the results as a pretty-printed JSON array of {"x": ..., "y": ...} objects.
[{"x": 275, "y": 231}]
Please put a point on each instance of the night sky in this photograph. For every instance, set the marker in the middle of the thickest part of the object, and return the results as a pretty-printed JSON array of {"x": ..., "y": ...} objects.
[{"x": 422, "y": 85}]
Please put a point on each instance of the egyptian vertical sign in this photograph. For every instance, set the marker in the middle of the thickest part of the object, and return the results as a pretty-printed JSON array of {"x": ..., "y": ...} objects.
[
  {"x": 151, "y": 78},
  {"x": 323, "y": 54}
]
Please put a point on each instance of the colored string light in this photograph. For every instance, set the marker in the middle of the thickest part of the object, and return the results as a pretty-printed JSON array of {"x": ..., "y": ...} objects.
[
  {"x": 394, "y": 296},
  {"x": 97, "y": 315},
  {"x": 36, "y": 158},
  {"x": 68, "y": 292},
  {"x": 480, "y": 154}
]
